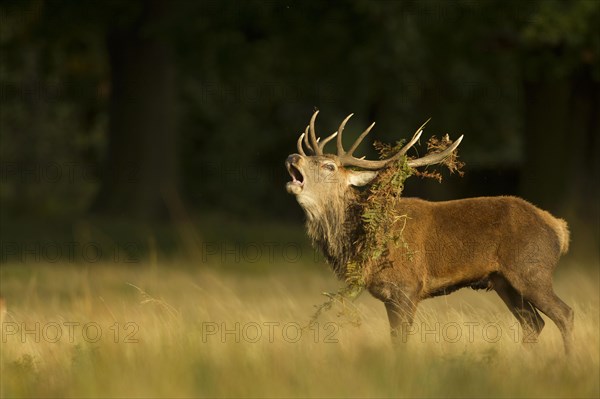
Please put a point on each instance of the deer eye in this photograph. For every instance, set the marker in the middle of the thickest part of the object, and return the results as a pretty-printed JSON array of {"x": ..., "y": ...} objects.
[{"x": 329, "y": 166}]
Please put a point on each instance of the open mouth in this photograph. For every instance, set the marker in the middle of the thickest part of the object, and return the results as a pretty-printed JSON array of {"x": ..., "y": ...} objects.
[
  {"x": 297, "y": 184},
  {"x": 297, "y": 176}
]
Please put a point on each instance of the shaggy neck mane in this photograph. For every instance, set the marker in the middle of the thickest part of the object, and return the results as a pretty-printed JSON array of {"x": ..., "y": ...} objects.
[{"x": 336, "y": 228}]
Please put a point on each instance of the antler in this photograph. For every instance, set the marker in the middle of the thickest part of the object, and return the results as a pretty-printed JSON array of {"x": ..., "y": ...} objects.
[
  {"x": 437, "y": 157},
  {"x": 314, "y": 146},
  {"x": 347, "y": 159}
]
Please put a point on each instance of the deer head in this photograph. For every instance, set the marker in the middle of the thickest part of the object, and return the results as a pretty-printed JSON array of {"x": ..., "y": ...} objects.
[{"x": 320, "y": 180}]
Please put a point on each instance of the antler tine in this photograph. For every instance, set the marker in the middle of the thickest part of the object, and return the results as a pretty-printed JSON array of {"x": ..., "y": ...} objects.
[
  {"x": 327, "y": 140},
  {"x": 306, "y": 143},
  {"x": 397, "y": 155},
  {"x": 435, "y": 158},
  {"x": 359, "y": 139},
  {"x": 313, "y": 134},
  {"x": 414, "y": 139},
  {"x": 299, "y": 145},
  {"x": 340, "y": 147}
]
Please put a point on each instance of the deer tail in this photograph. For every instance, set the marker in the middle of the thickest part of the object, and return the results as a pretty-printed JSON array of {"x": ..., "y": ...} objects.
[{"x": 562, "y": 230}]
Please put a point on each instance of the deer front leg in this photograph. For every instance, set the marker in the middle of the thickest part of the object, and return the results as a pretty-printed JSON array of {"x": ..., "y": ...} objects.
[{"x": 401, "y": 310}]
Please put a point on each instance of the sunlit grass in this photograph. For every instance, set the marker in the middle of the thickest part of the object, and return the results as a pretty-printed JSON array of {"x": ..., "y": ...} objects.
[{"x": 176, "y": 319}]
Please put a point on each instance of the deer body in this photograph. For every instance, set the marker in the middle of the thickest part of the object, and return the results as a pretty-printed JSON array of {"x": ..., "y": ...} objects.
[
  {"x": 500, "y": 243},
  {"x": 463, "y": 242}
]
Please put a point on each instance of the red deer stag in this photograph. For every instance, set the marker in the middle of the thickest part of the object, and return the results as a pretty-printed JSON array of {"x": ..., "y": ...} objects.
[{"x": 500, "y": 243}]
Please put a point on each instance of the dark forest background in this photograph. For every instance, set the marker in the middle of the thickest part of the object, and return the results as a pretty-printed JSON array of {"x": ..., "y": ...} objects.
[{"x": 165, "y": 114}]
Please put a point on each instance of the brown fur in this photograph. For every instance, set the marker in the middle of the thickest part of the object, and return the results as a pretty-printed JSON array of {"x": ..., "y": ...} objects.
[{"x": 500, "y": 243}]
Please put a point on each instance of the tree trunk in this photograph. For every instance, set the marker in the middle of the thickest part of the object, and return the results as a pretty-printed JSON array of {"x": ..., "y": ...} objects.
[
  {"x": 561, "y": 146},
  {"x": 545, "y": 124},
  {"x": 583, "y": 209},
  {"x": 141, "y": 168}
]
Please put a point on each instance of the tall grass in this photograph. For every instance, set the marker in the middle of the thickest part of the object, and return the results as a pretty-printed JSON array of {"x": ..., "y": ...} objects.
[{"x": 178, "y": 345}]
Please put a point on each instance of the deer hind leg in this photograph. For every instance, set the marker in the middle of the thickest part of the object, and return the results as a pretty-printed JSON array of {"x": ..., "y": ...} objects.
[
  {"x": 542, "y": 296},
  {"x": 552, "y": 306},
  {"x": 529, "y": 318},
  {"x": 401, "y": 309}
]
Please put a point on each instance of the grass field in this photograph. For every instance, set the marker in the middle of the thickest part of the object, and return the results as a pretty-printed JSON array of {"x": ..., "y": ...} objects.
[{"x": 176, "y": 330}]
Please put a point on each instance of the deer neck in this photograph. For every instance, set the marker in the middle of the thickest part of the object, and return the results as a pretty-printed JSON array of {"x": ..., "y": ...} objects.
[{"x": 335, "y": 229}]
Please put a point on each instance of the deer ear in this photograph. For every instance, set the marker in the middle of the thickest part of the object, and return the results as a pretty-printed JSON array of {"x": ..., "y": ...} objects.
[{"x": 360, "y": 177}]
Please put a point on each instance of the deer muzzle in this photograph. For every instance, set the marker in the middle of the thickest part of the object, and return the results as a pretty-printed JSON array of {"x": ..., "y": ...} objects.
[{"x": 292, "y": 164}]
